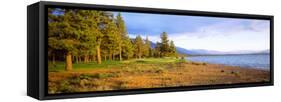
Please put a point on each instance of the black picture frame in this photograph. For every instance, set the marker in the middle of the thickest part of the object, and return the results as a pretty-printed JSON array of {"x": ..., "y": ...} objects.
[{"x": 37, "y": 70}]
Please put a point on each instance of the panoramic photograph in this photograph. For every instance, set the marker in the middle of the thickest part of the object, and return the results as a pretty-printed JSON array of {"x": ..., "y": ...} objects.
[{"x": 94, "y": 50}]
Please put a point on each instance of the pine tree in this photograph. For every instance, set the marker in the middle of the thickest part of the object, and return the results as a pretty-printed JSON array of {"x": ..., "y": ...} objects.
[
  {"x": 157, "y": 51},
  {"x": 128, "y": 48},
  {"x": 172, "y": 48},
  {"x": 147, "y": 47},
  {"x": 111, "y": 39},
  {"x": 63, "y": 33},
  {"x": 53, "y": 41},
  {"x": 122, "y": 33},
  {"x": 164, "y": 44},
  {"x": 139, "y": 45},
  {"x": 75, "y": 32},
  {"x": 89, "y": 30}
]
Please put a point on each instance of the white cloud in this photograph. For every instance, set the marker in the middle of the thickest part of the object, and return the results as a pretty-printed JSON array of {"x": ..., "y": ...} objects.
[
  {"x": 226, "y": 36},
  {"x": 228, "y": 27}
]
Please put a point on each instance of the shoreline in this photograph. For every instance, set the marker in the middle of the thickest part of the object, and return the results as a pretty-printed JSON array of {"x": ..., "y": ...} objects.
[
  {"x": 242, "y": 67},
  {"x": 228, "y": 54},
  {"x": 152, "y": 76},
  {"x": 253, "y": 62}
]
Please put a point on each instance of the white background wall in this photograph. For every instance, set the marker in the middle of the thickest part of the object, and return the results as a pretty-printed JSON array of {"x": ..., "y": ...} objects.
[{"x": 13, "y": 51}]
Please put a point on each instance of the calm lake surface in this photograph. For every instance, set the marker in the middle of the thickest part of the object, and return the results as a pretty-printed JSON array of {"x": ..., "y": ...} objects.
[{"x": 257, "y": 61}]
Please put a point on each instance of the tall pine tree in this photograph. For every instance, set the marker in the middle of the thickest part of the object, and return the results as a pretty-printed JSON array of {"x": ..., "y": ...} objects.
[
  {"x": 147, "y": 48},
  {"x": 172, "y": 49},
  {"x": 139, "y": 45},
  {"x": 164, "y": 45}
]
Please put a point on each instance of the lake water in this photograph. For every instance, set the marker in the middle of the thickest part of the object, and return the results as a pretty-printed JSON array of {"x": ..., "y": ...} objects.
[{"x": 258, "y": 61}]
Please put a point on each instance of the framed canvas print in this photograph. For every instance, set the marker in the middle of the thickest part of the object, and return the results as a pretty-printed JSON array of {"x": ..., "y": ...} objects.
[{"x": 83, "y": 50}]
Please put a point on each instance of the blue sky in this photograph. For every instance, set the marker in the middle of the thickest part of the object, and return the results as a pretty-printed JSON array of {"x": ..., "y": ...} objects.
[{"x": 195, "y": 32}]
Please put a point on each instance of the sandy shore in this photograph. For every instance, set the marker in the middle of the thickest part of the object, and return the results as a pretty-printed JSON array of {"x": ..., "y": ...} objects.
[{"x": 152, "y": 76}]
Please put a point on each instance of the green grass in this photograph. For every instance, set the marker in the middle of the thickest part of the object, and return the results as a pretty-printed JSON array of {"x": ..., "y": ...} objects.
[
  {"x": 153, "y": 60},
  {"x": 59, "y": 66}
]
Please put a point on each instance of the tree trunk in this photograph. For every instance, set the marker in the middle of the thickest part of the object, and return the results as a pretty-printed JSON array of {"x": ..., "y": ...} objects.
[
  {"x": 112, "y": 58},
  {"x": 68, "y": 62},
  {"x": 128, "y": 57},
  {"x": 120, "y": 53},
  {"x": 94, "y": 58},
  {"x": 54, "y": 59},
  {"x": 79, "y": 59},
  {"x": 89, "y": 59},
  {"x": 98, "y": 55},
  {"x": 139, "y": 55},
  {"x": 105, "y": 58},
  {"x": 110, "y": 55},
  {"x": 113, "y": 55},
  {"x": 85, "y": 59},
  {"x": 76, "y": 59},
  {"x": 73, "y": 58}
]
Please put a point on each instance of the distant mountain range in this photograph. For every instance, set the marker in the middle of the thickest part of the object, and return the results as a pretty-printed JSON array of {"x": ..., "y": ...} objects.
[{"x": 212, "y": 52}]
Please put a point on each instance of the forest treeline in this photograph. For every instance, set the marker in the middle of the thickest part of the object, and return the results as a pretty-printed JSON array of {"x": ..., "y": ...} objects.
[{"x": 83, "y": 36}]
